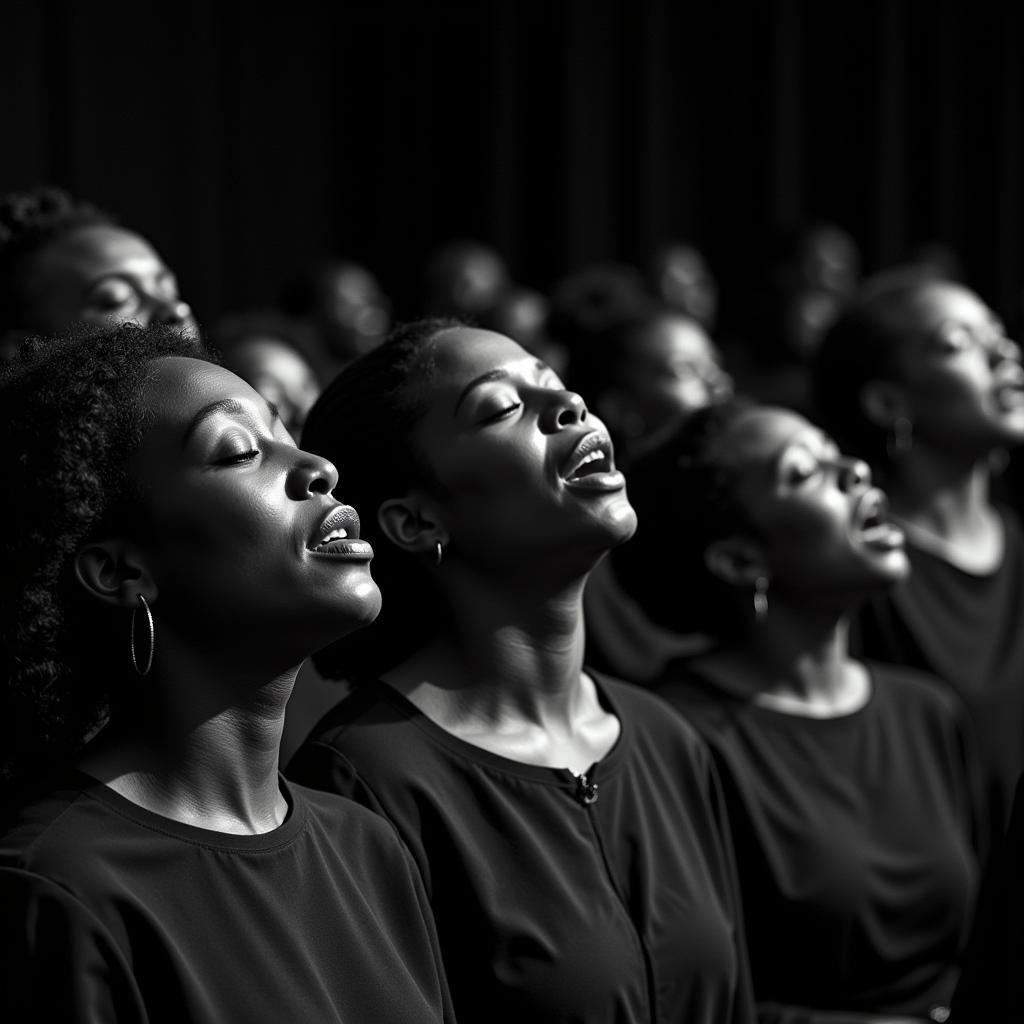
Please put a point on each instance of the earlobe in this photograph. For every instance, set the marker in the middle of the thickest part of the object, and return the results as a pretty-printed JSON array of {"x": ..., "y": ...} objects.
[
  {"x": 411, "y": 524},
  {"x": 110, "y": 573},
  {"x": 735, "y": 561}
]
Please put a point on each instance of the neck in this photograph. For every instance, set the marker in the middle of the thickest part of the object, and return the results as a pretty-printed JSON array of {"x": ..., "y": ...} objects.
[
  {"x": 510, "y": 655},
  {"x": 804, "y": 655},
  {"x": 945, "y": 498},
  {"x": 951, "y": 517},
  {"x": 204, "y": 751}
]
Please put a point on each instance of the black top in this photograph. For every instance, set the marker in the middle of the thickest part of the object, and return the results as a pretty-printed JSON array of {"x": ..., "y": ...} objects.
[
  {"x": 967, "y": 630},
  {"x": 622, "y": 639},
  {"x": 991, "y": 989},
  {"x": 608, "y": 899},
  {"x": 112, "y": 913},
  {"x": 854, "y": 840}
]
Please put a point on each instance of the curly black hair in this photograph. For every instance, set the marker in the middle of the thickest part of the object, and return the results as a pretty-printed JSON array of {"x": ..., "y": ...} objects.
[
  {"x": 72, "y": 415},
  {"x": 29, "y": 220},
  {"x": 362, "y": 422},
  {"x": 684, "y": 493}
]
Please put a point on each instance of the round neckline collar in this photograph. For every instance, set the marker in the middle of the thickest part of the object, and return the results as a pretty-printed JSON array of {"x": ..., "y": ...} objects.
[
  {"x": 560, "y": 776},
  {"x": 292, "y": 825}
]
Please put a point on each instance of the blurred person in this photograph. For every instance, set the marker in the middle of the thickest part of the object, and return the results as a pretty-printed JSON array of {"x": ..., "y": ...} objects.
[
  {"x": 919, "y": 379},
  {"x": 567, "y": 826},
  {"x": 850, "y": 784},
  {"x": 268, "y": 351},
  {"x": 64, "y": 262},
  {"x": 463, "y": 278},
  {"x": 521, "y": 313},
  {"x": 169, "y": 559},
  {"x": 681, "y": 278},
  {"x": 344, "y": 305}
]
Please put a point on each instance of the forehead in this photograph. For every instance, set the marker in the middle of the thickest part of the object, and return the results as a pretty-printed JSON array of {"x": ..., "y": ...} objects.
[
  {"x": 178, "y": 387},
  {"x": 677, "y": 336},
  {"x": 761, "y": 435},
  {"x": 466, "y": 352},
  {"x": 95, "y": 251},
  {"x": 951, "y": 302}
]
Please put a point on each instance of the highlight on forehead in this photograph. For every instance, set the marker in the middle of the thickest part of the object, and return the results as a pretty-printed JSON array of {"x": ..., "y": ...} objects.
[{"x": 759, "y": 433}]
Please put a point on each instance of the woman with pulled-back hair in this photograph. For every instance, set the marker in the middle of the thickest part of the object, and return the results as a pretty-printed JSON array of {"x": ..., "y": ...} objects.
[
  {"x": 850, "y": 785},
  {"x": 919, "y": 379},
  {"x": 66, "y": 263},
  {"x": 568, "y": 830},
  {"x": 168, "y": 558}
]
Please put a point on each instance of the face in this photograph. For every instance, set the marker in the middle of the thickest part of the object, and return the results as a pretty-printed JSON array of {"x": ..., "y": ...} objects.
[
  {"x": 674, "y": 371},
  {"x": 281, "y": 376},
  {"x": 817, "y": 521},
  {"x": 526, "y": 473},
  {"x": 684, "y": 281},
  {"x": 239, "y": 528},
  {"x": 102, "y": 276},
  {"x": 353, "y": 312},
  {"x": 959, "y": 376}
]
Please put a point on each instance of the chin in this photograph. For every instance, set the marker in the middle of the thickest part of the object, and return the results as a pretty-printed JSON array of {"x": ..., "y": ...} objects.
[{"x": 620, "y": 518}]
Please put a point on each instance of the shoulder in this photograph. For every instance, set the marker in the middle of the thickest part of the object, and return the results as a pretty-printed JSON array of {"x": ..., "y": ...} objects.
[
  {"x": 53, "y": 828},
  {"x": 912, "y": 689},
  {"x": 655, "y": 727}
]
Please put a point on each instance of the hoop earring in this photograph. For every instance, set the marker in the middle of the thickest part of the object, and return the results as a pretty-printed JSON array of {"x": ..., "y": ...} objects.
[
  {"x": 438, "y": 554},
  {"x": 900, "y": 441},
  {"x": 761, "y": 598},
  {"x": 152, "y": 638}
]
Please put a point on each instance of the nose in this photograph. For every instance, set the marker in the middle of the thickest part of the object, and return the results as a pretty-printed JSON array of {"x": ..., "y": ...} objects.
[
  {"x": 564, "y": 409},
  {"x": 853, "y": 474},
  {"x": 173, "y": 312},
  {"x": 1004, "y": 350},
  {"x": 310, "y": 475}
]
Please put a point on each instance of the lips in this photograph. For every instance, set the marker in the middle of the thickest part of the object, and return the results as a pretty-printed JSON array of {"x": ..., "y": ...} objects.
[
  {"x": 591, "y": 465},
  {"x": 871, "y": 524},
  {"x": 338, "y": 536}
]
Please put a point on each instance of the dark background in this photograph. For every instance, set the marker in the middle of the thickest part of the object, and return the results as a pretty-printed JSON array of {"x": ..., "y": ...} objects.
[{"x": 246, "y": 144}]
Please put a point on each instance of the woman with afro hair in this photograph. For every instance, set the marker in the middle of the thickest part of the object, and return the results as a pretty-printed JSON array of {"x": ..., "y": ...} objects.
[{"x": 168, "y": 559}]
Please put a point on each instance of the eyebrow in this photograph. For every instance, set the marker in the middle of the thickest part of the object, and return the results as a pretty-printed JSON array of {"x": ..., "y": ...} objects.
[
  {"x": 228, "y": 405},
  {"x": 490, "y": 375}
]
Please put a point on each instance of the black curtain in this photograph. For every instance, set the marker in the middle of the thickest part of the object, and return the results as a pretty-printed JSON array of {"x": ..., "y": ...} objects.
[{"x": 247, "y": 144}]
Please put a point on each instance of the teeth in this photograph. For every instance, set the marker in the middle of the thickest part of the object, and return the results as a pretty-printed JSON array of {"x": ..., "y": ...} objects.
[
  {"x": 597, "y": 455},
  {"x": 339, "y": 534}
]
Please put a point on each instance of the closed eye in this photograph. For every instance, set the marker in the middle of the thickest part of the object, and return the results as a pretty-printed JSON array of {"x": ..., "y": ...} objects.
[
  {"x": 237, "y": 458},
  {"x": 501, "y": 413}
]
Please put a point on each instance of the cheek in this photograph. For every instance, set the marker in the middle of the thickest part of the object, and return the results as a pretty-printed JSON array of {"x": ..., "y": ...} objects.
[{"x": 220, "y": 528}]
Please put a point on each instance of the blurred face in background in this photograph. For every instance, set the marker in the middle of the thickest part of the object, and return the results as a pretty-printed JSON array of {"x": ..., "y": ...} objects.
[
  {"x": 101, "y": 276},
  {"x": 279, "y": 374}
]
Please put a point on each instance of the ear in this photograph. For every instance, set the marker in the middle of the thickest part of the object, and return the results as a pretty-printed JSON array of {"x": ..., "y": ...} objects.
[
  {"x": 735, "y": 561},
  {"x": 883, "y": 402},
  {"x": 412, "y": 523},
  {"x": 113, "y": 572}
]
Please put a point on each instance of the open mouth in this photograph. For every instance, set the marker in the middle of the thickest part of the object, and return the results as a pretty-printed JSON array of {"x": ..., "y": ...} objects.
[
  {"x": 871, "y": 523},
  {"x": 338, "y": 536},
  {"x": 591, "y": 465}
]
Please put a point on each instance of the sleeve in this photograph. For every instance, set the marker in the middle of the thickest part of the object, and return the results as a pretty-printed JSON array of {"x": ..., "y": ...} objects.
[{"x": 57, "y": 961}]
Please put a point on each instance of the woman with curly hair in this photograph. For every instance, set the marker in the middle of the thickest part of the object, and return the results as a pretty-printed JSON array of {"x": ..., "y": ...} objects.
[
  {"x": 170, "y": 560},
  {"x": 919, "y": 379},
  {"x": 850, "y": 785},
  {"x": 64, "y": 262},
  {"x": 567, "y": 827}
]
